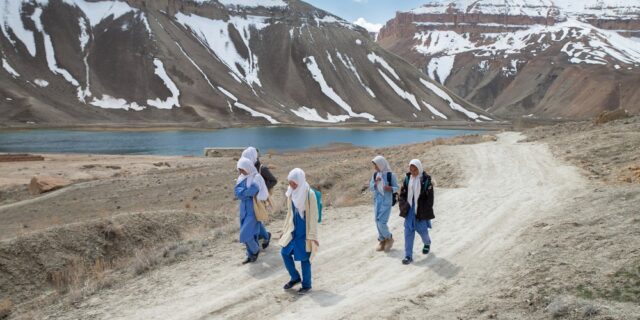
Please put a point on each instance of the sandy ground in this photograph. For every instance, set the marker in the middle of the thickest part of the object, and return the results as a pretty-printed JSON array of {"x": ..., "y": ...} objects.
[
  {"x": 15, "y": 176},
  {"x": 509, "y": 186}
]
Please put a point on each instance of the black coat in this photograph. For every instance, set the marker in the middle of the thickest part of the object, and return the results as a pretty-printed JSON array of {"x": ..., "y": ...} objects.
[
  {"x": 269, "y": 179},
  {"x": 425, "y": 200}
]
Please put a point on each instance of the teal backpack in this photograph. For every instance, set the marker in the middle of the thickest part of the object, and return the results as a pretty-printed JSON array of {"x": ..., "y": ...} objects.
[{"x": 319, "y": 202}]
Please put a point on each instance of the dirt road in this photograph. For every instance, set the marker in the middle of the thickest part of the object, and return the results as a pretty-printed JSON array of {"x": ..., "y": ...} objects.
[{"x": 507, "y": 185}]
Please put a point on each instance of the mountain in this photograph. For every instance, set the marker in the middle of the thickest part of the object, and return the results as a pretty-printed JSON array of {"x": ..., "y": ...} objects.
[
  {"x": 535, "y": 58},
  {"x": 204, "y": 63}
]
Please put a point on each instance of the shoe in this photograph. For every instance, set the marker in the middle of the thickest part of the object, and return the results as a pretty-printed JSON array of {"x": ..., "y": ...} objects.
[
  {"x": 251, "y": 259},
  {"x": 380, "y": 246},
  {"x": 291, "y": 284},
  {"x": 265, "y": 243},
  {"x": 388, "y": 244},
  {"x": 407, "y": 260},
  {"x": 304, "y": 291},
  {"x": 426, "y": 249}
]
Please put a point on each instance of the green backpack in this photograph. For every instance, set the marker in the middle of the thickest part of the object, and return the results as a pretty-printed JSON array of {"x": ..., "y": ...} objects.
[{"x": 318, "y": 202}]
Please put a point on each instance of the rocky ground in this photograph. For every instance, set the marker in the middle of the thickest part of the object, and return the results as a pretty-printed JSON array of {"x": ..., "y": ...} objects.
[{"x": 520, "y": 234}]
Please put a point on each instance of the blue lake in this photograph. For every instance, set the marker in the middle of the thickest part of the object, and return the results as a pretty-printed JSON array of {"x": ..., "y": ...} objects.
[{"x": 193, "y": 142}]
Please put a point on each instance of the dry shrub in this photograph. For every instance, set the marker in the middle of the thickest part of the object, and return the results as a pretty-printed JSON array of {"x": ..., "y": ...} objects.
[
  {"x": 559, "y": 307},
  {"x": 68, "y": 277},
  {"x": 6, "y": 306},
  {"x": 145, "y": 261},
  {"x": 77, "y": 276}
]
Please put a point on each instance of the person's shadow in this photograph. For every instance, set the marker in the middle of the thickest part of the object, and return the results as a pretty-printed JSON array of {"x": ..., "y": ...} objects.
[
  {"x": 440, "y": 266},
  {"x": 325, "y": 298},
  {"x": 269, "y": 263}
]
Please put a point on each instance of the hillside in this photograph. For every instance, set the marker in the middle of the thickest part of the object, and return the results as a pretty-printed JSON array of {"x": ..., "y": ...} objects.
[
  {"x": 204, "y": 63},
  {"x": 534, "y": 58}
]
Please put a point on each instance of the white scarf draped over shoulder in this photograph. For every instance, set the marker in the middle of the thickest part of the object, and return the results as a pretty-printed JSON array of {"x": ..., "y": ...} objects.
[
  {"x": 252, "y": 177},
  {"x": 415, "y": 184},
  {"x": 298, "y": 195}
]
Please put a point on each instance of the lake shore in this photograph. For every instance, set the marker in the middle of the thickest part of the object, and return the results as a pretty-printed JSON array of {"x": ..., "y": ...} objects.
[{"x": 453, "y": 125}]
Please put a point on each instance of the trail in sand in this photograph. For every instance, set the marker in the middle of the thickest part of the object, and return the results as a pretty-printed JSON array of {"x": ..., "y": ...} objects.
[{"x": 507, "y": 184}]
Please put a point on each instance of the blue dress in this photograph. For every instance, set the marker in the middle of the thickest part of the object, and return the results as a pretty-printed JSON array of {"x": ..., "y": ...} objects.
[
  {"x": 297, "y": 250},
  {"x": 298, "y": 245},
  {"x": 248, "y": 222}
]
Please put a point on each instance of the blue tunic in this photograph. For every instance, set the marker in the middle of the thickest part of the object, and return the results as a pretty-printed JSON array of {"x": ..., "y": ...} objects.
[
  {"x": 298, "y": 245},
  {"x": 382, "y": 203},
  {"x": 248, "y": 222}
]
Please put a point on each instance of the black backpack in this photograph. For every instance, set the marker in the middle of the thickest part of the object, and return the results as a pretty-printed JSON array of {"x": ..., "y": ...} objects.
[{"x": 394, "y": 198}]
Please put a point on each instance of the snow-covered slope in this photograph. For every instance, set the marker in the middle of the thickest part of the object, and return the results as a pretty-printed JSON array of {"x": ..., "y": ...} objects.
[
  {"x": 539, "y": 8},
  {"x": 612, "y": 9},
  {"x": 542, "y": 58},
  {"x": 209, "y": 62}
]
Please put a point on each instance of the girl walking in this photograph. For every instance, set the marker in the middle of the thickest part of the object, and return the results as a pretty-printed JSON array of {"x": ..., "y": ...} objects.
[
  {"x": 416, "y": 206},
  {"x": 249, "y": 185},
  {"x": 299, "y": 239},
  {"x": 252, "y": 154},
  {"x": 384, "y": 185}
]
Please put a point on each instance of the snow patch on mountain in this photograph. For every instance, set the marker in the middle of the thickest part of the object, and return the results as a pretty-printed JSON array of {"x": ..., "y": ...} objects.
[
  {"x": 533, "y": 8},
  {"x": 348, "y": 63},
  {"x": 441, "y": 41},
  {"x": 316, "y": 73},
  {"x": 244, "y": 107},
  {"x": 434, "y": 110},
  {"x": 249, "y": 3},
  {"x": 7, "y": 67},
  {"x": 11, "y": 22},
  {"x": 98, "y": 11},
  {"x": 403, "y": 94},
  {"x": 41, "y": 83},
  {"x": 440, "y": 68},
  {"x": 255, "y": 113},
  {"x": 585, "y": 43},
  {"x": 84, "y": 41},
  {"x": 206, "y": 78},
  {"x": 311, "y": 114},
  {"x": 374, "y": 58},
  {"x": 171, "y": 101},
  {"x": 51, "y": 56},
  {"x": 109, "y": 102},
  {"x": 214, "y": 34},
  {"x": 446, "y": 97}
]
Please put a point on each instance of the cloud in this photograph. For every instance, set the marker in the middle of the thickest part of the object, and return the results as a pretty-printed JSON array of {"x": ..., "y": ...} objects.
[
  {"x": 371, "y": 27},
  {"x": 361, "y": 1}
]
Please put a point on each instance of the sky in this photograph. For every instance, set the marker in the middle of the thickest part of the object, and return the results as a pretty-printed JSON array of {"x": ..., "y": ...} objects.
[{"x": 371, "y": 14}]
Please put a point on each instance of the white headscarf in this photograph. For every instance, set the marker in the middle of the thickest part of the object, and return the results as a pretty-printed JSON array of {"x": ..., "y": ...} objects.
[
  {"x": 251, "y": 153},
  {"x": 414, "y": 184},
  {"x": 384, "y": 167},
  {"x": 252, "y": 178},
  {"x": 299, "y": 194}
]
